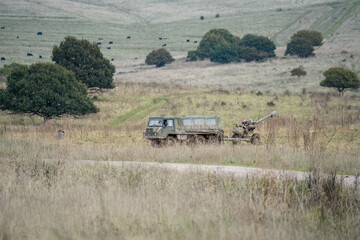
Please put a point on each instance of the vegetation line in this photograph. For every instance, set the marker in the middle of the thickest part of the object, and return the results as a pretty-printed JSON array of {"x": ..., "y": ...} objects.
[
  {"x": 140, "y": 112},
  {"x": 339, "y": 22},
  {"x": 289, "y": 25}
]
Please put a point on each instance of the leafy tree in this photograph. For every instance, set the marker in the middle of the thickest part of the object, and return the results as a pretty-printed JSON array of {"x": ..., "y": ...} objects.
[
  {"x": 47, "y": 90},
  {"x": 314, "y": 37},
  {"x": 249, "y": 54},
  {"x": 300, "y": 47},
  {"x": 341, "y": 79},
  {"x": 192, "y": 56},
  {"x": 159, "y": 57},
  {"x": 224, "y": 54},
  {"x": 260, "y": 43},
  {"x": 86, "y": 61},
  {"x": 299, "y": 71},
  {"x": 213, "y": 40}
]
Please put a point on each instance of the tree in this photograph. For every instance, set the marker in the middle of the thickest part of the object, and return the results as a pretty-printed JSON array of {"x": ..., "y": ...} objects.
[
  {"x": 213, "y": 40},
  {"x": 249, "y": 54},
  {"x": 159, "y": 57},
  {"x": 341, "y": 79},
  {"x": 260, "y": 43},
  {"x": 192, "y": 56},
  {"x": 300, "y": 47},
  {"x": 314, "y": 37},
  {"x": 86, "y": 61},
  {"x": 299, "y": 71},
  {"x": 47, "y": 90},
  {"x": 224, "y": 54}
]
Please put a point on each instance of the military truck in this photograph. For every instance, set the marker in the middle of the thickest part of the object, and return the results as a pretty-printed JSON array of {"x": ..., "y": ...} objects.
[{"x": 191, "y": 130}]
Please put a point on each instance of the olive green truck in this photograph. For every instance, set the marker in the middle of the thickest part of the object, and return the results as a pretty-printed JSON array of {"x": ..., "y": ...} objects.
[{"x": 191, "y": 130}]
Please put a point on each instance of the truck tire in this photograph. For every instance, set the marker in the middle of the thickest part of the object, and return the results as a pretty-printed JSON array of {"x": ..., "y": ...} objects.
[
  {"x": 200, "y": 140},
  {"x": 170, "y": 141},
  {"x": 255, "y": 139},
  {"x": 213, "y": 140},
  {"x": 155, "y": 143}
]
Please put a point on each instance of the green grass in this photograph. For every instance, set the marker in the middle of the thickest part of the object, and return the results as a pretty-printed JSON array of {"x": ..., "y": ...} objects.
[{"x": 114, "y": 22}]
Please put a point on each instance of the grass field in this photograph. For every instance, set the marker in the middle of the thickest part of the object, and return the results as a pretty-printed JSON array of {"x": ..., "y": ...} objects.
[{"x": 45, "y": 195}]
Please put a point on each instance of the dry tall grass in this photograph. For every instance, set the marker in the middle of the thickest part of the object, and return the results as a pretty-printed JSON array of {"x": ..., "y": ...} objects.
[{"x": 56, "y": 200}]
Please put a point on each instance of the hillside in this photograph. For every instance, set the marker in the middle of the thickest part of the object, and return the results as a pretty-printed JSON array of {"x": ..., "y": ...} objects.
[{"x": 135, "y": 28}]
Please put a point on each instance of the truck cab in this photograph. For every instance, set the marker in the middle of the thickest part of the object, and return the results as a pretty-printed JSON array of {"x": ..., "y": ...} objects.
[{"x": 160, "y": 127}]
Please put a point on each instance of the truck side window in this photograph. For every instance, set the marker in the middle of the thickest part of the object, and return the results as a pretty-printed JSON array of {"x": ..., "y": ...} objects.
[{"x": 170, "y": 123}]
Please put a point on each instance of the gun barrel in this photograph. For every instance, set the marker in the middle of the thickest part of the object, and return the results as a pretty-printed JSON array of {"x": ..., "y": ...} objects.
[{"x": 274, "y": 113}]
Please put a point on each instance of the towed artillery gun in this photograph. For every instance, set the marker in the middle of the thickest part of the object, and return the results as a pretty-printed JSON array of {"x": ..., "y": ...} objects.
[
  {"x": 242, "y": 132},
  {"x": 193, "y": 130}
]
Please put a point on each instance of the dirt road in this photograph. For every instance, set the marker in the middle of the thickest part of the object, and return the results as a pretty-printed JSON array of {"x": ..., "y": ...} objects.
[{"x": 241, "y": 172}]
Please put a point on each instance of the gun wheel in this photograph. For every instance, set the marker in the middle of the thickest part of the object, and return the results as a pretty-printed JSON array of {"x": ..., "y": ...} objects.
[
  {"x": 255, "y": 139},
  {"x": 235, "y": 142}
]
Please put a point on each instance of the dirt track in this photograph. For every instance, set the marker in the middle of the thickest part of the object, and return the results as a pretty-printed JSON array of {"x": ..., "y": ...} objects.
[{"x": 241, "y": 172}]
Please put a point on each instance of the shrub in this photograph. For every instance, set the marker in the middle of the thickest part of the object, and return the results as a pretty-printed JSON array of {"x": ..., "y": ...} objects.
[
  {"x": 221, "y": 46},
  {"x": 248, "y": 54},
  {"x": 260, "y": 43},
  {"x": 192, "y": 56},
  {"x": 159, "y": 57},
  {"x": 224, "y": 54},
  {"x": 47, "y": 90},
  {"x": 300, "y": 47},
  {"x": 299, "y": 71},
  {"x": 341, "y": 79},
  {"x": 314, "y": 37},
  {"x": 270, "y": 104},
  {"x": 86, "y": 61},
  {"x": 213, "y": 40}
]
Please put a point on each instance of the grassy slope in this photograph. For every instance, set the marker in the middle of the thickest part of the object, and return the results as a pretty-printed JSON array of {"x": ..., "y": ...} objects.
[{"x": 145, "y": 22}]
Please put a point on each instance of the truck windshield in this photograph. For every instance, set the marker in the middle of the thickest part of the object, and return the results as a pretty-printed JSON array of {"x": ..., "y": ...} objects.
[{"x": 155, "y": 122}]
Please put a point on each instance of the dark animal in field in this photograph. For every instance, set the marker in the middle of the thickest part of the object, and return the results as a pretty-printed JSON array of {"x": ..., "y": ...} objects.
[
  {"x": 164, "y": 45},
  {"x": 98, "y": 43},
  {"x": 40, "y": 56},
  {"x": 3, "y": 59},
  {"x": 160, "y": 38},
  {"x": 2, "y": 27},
  {"x": 195, "y": 41},
  {"x": 112, "y": 59},
  {"x": 29, "y": 55},
  {"x": 17, "y": 36},
  {"x": 39, "y": 33},
  {"x": 188, "y": 40},
  {"x": 128, "y": 37},
  {"x": 111, "y": 42},
  {"x": 108, "y": 47}
]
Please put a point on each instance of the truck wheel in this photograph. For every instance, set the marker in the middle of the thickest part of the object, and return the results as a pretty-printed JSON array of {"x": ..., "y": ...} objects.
[
  {"x": 170, "y": 142},
  {"x": 201, "y": 140},
  {"x": 213, "y": 140},
  {"x": 155, "y": 143},
  {"x": 255, "y": 139}
]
